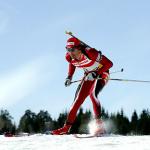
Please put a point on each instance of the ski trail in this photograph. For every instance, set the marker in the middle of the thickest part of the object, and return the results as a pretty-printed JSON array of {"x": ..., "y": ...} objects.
[{"x": 69, "y": 142}]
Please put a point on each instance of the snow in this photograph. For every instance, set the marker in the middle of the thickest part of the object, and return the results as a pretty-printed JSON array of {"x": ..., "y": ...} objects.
[{"x": 69, "y": 142}]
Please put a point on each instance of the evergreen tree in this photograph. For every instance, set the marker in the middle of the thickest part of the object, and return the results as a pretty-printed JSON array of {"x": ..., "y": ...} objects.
[
  {"x": 122, "y": 122},
  {"x": 43, "y": 121},
  {"x": 61, "y": 119},
  {"x": 6, "y": 124},
  {"x": 144, "y": 122},
  {"x": 104, "y": 114},
  {"x": 134, "y": 123},
  {"x": 28, "y": 122}
]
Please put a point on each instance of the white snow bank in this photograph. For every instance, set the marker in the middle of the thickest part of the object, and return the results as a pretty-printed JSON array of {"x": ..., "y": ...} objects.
[{"x": 69, "y": 142}]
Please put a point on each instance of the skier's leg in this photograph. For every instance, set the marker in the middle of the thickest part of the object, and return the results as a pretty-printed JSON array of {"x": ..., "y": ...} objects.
[
  {"x": 80, "y": 96},
  {"x": 96, "y": 88},
  {"x": 79, "y": 99}
]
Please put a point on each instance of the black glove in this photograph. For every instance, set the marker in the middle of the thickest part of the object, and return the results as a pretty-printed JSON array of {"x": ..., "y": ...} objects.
[{"x": 68, "y": 81}]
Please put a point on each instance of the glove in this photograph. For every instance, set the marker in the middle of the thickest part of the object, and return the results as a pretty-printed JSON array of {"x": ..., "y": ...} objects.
[
  {"x": 91, "y": 76},
  {"x": 68, "y": 81},
  {"x": 104, "y": 76}
]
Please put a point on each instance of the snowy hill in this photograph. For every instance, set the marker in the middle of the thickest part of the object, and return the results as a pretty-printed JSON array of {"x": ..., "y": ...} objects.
[{"x": 69, "y": 142}]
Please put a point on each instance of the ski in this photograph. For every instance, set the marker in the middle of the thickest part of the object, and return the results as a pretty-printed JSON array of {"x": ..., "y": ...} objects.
[{"x": 80, "y": 136}]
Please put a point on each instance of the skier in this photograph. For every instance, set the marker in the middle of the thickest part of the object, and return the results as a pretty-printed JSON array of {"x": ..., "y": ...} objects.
[{"x": 96, "y": 73}]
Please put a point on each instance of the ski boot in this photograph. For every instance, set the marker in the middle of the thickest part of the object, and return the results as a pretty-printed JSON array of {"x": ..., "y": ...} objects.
[
  {"x": 100, "y": 128},
  {"x": 64, "y": 130}
]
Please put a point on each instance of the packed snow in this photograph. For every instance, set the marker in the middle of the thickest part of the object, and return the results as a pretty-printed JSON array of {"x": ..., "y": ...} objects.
[{"x": 69, "y": 142}]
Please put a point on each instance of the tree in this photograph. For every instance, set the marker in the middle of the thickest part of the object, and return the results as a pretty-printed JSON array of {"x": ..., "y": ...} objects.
[
  {"x": 134, "y": 123},
  {"x": 6, "y": 124},
  {"x": 122, "y": 122},
  {"x": 43, "y": 121},
  {"x": 104, "y": 114},
  {"x": 28, "y": 122},
  {"x": 144, "y": 122},
  {"x": 61, "y": 119}
]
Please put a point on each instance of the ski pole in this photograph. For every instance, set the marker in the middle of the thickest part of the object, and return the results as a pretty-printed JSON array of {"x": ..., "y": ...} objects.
[
  {"x": 128, "y": 80},
  {"x": 117, "y": 71},
  {"x": 110, "y": 73},
  {"x": 79, "y": 86},
  {"x": 124, "y": 80},
  {"x": 75, "y": 81}
]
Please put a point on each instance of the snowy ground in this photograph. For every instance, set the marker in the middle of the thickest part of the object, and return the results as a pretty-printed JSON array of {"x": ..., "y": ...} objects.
[{"x": 69, "y": 142}]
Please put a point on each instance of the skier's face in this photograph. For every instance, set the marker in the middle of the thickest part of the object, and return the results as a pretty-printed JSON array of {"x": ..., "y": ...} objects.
[{"x": 76, "y": 53}]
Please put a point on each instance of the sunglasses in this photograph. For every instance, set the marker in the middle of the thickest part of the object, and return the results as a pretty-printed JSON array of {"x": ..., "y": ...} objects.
[{"x": 70, "y": 49}]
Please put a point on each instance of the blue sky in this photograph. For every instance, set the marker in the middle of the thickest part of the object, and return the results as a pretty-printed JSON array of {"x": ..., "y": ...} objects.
[{"x": 32, "y": 45}]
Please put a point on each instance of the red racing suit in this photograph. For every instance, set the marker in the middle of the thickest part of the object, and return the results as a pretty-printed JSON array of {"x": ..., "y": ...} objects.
[{"x": 91, "y": 61}]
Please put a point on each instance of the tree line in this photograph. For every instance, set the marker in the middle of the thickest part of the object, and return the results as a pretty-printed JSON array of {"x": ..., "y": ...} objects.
[{"x": 42, "y": 122}]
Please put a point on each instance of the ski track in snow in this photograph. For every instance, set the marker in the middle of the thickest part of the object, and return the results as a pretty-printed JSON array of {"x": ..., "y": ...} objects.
[{"x": 69, "y": 142}]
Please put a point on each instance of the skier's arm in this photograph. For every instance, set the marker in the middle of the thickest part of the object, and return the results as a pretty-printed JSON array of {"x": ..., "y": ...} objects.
[
  {"x": 71, "y": 66},
  {"x": 71, "y": 70},
  {"x": 106, "y": 64},
  {"x": 70, "y": 74}
]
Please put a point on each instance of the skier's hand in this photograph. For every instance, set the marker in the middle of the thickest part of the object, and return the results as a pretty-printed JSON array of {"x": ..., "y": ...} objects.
[
  {"x": 91, "y": 76},
  {"x": 68, "y": 81},
  {"x": 104, "y": 76}
]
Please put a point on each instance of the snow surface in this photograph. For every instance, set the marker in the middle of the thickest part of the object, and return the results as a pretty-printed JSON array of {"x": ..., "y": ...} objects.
[{"x": 69, "y": 142}]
